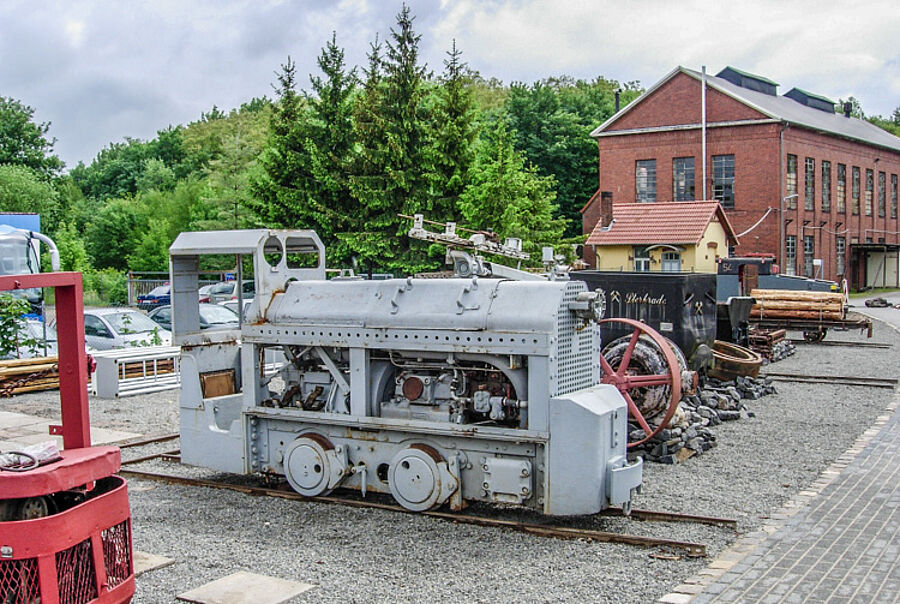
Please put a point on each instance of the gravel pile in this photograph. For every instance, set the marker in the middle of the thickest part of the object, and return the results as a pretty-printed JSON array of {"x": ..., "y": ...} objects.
[{"x": 371, "y": 555}]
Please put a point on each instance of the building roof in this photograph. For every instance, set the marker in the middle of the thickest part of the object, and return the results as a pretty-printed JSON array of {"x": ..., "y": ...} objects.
[
  {"x": 675, "y": 222},
  {"x": 780, "y": 108}
]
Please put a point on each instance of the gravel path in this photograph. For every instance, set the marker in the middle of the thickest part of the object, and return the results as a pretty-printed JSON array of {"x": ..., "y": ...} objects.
[{"x": 370, "y": 555}]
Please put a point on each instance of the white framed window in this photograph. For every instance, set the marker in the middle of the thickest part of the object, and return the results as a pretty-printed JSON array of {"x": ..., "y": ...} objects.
[
  {"x": 840, "y": 248},
  {"x": 641, "y": 259},
  {"x": 790, "y": 255},
  {"x": 645, "y": 180},
  {"x": 809, "y": 249}
]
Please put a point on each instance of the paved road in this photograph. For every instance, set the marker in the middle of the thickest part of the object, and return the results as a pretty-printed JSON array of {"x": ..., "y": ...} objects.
[{"x": 890, "y": 316}]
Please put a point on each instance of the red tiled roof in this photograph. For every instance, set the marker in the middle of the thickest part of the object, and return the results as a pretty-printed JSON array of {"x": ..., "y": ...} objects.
[{"x": 676, "y": 222}]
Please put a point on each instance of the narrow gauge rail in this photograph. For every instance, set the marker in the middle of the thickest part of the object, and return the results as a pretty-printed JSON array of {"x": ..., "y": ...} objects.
[
  {"x": 690, "y": 548},
  {"x": 843, "y": 380},
  {"x": 881, "y": 345}
]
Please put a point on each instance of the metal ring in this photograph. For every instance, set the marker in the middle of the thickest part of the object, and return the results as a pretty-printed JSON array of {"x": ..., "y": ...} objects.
[{"x": 35, "y": 462}]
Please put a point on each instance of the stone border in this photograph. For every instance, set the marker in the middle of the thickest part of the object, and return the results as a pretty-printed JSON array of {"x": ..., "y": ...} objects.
[{"x": 749, "y": 542}]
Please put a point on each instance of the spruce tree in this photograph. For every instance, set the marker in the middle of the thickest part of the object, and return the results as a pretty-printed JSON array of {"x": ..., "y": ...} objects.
[
  {"x": 395, "y": 105},
  {"x": 454, "y": 135}
]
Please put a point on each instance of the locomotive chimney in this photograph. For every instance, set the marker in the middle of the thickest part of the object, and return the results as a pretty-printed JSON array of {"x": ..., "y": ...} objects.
[
  {"x": 618, "y": 93},
  {"x": 606, "y": 208}
]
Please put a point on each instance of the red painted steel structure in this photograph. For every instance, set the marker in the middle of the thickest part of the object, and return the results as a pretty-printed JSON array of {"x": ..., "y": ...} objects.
[{"x": 83, "y": 554}]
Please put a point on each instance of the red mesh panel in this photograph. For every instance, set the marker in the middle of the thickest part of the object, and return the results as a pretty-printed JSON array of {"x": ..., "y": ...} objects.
[
  {"x": 19, "y": 581},
  {"x": 75, "y": 573},
  {"x": 116, "y": 553}
]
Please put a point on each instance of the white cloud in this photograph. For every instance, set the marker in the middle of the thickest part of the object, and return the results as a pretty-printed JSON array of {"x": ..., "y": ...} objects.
[{"x": 102, "y": 70}]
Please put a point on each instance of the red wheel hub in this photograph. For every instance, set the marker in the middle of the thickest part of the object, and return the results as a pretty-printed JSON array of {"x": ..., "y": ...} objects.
[{"x": 625, "y": 380}]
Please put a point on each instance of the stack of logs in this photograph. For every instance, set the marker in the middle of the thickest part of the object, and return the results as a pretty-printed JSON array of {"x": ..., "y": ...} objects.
[
  {"x": 28, "y": 375},
  {"x": 791, "y": 304}
]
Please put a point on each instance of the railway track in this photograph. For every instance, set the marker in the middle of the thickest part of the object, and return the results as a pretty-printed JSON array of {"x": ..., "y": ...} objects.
[
  {"x": 689, "y": 548},
  {"x": 843, "y": 380},
  {"x": 842, "y": 343}
]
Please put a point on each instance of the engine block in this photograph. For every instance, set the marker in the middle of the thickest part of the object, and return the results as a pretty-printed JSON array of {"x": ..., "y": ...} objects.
[{"x": 437, "y": 391}]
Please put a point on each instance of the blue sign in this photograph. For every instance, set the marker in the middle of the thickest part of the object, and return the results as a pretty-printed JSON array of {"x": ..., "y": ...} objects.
[{"x": 229, "y": 276}]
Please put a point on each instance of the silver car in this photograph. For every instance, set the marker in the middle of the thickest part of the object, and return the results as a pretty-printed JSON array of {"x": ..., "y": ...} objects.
[
  {"x": 227, "y": 290},
  {"x": 106, "y": 328}
]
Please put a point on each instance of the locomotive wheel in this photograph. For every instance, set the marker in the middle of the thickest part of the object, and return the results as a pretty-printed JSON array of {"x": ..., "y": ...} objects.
[
  {"x": 629, "y": 376},
  {"x": 415, "y": 478},
  {"x": 307, "y": 466}
]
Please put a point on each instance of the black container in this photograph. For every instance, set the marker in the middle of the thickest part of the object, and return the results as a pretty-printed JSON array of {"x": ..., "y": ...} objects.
[{"x": 681, "y": 306}]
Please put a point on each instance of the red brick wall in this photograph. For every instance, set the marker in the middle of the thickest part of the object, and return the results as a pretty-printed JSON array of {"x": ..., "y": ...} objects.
[
  {"x": 678, "y": 102},
  {"x": 805, "y": 143}
]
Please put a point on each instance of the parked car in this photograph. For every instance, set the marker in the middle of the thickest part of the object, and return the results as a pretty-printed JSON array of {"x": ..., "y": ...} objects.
[
  {"x": 232, "y": 305},
  {"x": 227, "y": 290},
  {"x": 106, "y": 328},
  {"x": 204, "y": 292},
  {"x": 158, "y": 296},
  {"x": 212, "y": 316}
]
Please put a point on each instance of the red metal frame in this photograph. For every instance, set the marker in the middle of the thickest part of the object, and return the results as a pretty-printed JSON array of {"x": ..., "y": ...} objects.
[
  {"x": 84, "y": 553},
  {"x": 76, "y": 425}
]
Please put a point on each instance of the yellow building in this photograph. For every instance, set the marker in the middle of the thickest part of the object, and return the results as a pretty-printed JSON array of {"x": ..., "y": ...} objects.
[{"x": 683, "y": 236}]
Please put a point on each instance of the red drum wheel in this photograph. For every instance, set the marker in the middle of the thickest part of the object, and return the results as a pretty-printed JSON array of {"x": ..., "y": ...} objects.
[{"x": 627, "y": 376}]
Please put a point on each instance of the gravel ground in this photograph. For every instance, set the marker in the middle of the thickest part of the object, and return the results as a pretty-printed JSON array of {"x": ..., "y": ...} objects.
[{"x": 370, "y": 555}]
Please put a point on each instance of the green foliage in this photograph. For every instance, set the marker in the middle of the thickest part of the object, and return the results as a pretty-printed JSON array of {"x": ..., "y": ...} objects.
[
  {"x": 155, "y": 176},
  {"x": 23, "y": 190},
  {"x": 72, "y": 251},
  {"x": 510, "y": 198},
  {"x": 113, "y": 233},
  {"x": 152, "y": 253},
  {"x": 553, "y": 120},
  {"x": 109, "y": 286},
  {"x": 24, "y": 142},
  {"x": 393, "y": 167},
  {"x": 891, "y": 123},
  {"x": 12, "y": 334},
  {"x": 303, "y": 180},
  {"x": 454, "y": 134}
]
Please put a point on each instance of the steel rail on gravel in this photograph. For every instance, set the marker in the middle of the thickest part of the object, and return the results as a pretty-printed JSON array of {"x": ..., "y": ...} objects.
[
  {"x": 842, "y": 343},
  {"x": 844, "y": 380},
  {"x": 690, "y": 548}
]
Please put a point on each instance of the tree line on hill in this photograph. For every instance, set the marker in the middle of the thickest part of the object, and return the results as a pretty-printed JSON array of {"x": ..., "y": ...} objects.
[{"x": 344, "y": 157}]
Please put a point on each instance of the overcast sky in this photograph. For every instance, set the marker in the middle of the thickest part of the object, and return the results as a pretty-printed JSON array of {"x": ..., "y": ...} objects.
[{"x": 101, "y": 71}]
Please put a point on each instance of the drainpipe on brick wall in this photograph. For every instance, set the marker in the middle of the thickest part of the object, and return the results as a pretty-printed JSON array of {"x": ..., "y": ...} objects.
[
  {"x": 703, "y": 126},
  {"x": 781, "y": 193}
]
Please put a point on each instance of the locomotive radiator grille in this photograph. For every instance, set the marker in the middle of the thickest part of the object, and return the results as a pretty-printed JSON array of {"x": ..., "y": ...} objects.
[
  {"x": 19, "y": 581},
  {"x": 116, "y": 553},
  {"x": 575, "y": 348},
  {"x": 75, "y": 574}
]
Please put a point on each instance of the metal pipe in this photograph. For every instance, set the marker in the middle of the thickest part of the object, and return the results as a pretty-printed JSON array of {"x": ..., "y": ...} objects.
[
  {"x": 703, "y": 126},
  {"x": 54, "y": 251}
]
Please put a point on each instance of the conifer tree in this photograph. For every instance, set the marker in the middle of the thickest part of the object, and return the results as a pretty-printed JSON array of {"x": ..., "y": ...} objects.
[
  {"x": 393, "y": 104},
  {"x": 454, "y": 135},
  {"x": 509, "y": 197}
]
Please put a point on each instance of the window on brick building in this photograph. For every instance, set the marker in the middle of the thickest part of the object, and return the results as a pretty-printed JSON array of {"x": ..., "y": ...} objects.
[
  {"x": 893, "y": 195},
  {"x": 645, "y": 180},
  {"x": 723, "y": 180},
  {"x": 791, "y": 181},
  {"x": 826, "y": 186},
  {"x": 870, "y": 190},
  {"x": 840, "y": 248},
  {"x": 854, "y": 192},
  {"x": 809, "y": 198},
  {"x": 882, "y": 190},
  {"x": 641, "y": 259},
  {"x": 841, "y": 201},
  {"x": 683, "y": 179},
  {"x": 809, "y": 243},
  {"x": 790, "y": 255}
]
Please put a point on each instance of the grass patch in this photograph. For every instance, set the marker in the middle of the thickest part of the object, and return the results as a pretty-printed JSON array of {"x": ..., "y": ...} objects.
[{"x": 874, "y": 292}]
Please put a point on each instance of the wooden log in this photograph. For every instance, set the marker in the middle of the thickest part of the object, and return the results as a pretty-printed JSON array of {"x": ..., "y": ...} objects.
[
  {"x": 789, "y": 294},
  {"x": 799, "y": 305},
  {"x": 797, "y": 314},
  {"x": 21, "y": 362},
  {"x": 26, "y": 369},
  {"x": 38, "y": 388}
]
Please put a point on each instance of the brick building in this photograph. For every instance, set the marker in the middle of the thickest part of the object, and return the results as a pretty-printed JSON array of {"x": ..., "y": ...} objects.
[{"x": 818, "y": 185}]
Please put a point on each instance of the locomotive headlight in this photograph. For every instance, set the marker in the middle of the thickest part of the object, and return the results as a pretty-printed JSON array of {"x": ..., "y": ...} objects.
[{"x": 589, "y": 306}]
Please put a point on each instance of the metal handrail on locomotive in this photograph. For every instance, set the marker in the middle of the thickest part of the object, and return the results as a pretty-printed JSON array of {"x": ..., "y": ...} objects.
[{"x": 481, "y": 387}]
